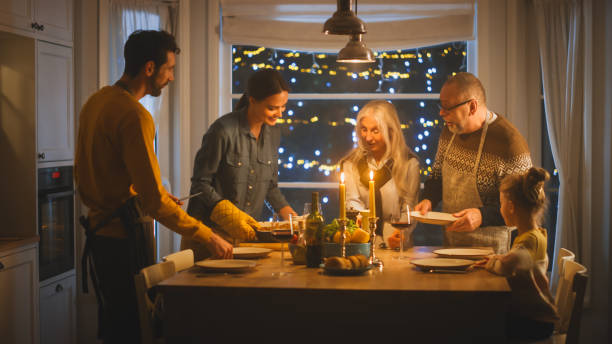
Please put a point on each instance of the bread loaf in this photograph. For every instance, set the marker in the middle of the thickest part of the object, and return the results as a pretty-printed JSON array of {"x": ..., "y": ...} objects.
[{"x": 357, "y": 261}]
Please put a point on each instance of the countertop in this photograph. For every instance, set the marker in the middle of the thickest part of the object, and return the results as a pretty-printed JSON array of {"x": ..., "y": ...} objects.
[{"x": 8, "y": 243}]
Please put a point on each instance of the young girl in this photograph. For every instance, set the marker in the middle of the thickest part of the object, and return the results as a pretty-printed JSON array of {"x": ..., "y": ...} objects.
[{"x": 523, "y": 200}]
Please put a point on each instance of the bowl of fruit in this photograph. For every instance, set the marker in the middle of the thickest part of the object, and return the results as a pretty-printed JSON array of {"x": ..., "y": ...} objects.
[{"x": 357, "y": 240}]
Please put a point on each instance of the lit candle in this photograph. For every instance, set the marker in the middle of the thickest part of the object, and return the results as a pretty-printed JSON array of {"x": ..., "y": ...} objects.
[
  {"x": 342, "y": 197},
  {"x": 372, "y": 199}
]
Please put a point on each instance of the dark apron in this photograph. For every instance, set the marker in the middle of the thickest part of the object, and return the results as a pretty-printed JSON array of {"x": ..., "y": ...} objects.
[{"x": 126, "y": 257}]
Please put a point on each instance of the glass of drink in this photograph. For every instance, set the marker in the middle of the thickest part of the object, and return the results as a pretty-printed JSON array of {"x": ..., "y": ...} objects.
[
  {"x": 401, "y": 222},
  {"x": 282, "y": 235}
]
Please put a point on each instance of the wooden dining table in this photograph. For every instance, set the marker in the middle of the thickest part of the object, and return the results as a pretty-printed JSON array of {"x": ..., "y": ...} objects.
[{"x": 398, "y": 301}]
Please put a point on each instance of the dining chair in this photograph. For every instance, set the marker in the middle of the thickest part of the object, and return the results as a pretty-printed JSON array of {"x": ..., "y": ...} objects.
[
  {"x": 148, "y": 310},
  {"x": 569, "y": 302},
  {"x": 562, "y": 256},
  {"x": 182, "y": 259}
]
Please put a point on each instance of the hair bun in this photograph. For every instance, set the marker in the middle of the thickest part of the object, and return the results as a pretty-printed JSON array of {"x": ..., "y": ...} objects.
[{"x": 533, "y": 184}]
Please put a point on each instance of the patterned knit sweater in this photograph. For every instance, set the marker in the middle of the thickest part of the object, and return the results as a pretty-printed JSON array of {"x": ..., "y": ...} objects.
[{"x": 505, "y": 151}]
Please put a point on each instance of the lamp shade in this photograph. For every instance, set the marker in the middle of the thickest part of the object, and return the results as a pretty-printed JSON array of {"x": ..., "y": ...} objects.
[
  {"x": 355, "y": 51},
  {"x": 344, "y": 21}
]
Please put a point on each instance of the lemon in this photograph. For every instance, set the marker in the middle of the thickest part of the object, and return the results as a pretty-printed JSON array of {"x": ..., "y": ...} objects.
[{"x": 360, "y": 236}]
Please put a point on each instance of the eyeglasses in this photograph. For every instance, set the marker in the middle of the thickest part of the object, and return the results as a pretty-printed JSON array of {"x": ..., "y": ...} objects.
[{"x": 454, "y": 106}]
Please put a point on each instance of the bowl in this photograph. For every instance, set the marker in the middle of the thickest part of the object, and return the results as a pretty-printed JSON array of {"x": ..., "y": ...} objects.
[{"x": 331, "y": 249}]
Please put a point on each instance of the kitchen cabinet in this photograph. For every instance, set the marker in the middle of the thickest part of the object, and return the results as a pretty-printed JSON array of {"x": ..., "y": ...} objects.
[
  {"x": 46, "y": 19},
  {"x": 19, "y": 295},
  {"x": 54, "y": 102},
  {"x": 58, "y": 311}
]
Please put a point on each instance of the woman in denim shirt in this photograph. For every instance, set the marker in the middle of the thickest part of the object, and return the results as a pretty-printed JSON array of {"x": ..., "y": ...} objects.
[{"x": 236, "y": 168}]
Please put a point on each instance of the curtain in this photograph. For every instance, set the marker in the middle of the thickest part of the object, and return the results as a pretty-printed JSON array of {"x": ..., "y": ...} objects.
[
  {"x": 390, "y": 24},
  {"x": 125, "y": 17},
  {"x": 564, "y": 39}
]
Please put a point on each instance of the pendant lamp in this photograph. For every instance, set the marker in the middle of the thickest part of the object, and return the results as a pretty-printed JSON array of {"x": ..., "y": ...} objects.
[
  {"x": 344, "y": 21},
  {"x": 355, "y": 51}
]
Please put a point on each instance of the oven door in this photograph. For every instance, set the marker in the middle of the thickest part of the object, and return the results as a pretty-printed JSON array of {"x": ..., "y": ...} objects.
[{"x": 56, "y": 231}]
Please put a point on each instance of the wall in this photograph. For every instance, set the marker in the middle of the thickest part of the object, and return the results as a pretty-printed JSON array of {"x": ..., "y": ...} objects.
[{"x": 86, "y": 83}]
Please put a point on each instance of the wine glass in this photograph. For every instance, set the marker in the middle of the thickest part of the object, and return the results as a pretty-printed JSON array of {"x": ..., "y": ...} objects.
[
  {"x": 401, "y": 222},
  {"x": 282, "y": 235}
]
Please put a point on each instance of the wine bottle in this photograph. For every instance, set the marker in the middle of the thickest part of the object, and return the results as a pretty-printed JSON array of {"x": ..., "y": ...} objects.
[{"x": 314, "y": 234}]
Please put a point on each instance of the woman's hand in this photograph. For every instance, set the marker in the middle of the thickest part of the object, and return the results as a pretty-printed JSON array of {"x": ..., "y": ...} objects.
[{"x": 394, "y": 239}]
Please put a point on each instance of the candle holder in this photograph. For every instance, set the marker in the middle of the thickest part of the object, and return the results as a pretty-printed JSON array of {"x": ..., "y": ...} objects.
[
  {"x": 342, "y": 230},
  {"x": 373, "y": 259}
]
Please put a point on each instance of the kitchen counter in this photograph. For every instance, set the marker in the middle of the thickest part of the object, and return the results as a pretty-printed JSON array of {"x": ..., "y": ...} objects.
[{"x": 8, "y": 243}]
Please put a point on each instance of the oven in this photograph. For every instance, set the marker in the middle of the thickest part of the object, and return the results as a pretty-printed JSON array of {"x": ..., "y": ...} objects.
[{"x": 55, "y": 221}]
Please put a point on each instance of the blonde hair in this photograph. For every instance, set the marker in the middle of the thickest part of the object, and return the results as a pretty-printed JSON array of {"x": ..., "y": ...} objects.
[
  {"x": 388, "y": 123},
  {"x": 526, "y": 191}
]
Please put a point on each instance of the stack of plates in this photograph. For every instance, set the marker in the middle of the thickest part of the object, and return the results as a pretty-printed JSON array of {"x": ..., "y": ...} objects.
[
  {"x": 464, "y": 253},
  {"x": 433, "y": 218}
]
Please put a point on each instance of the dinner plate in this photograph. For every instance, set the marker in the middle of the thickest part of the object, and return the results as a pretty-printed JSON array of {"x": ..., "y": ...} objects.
[
  {"x": 250, "y": 252},
  {"x": 433, "y": 217},
  {"x": 465, "y": 253},
  {"x": 442, "y": 263},
  {"x": 345, "y": 272},
  {"x": 226, "y": 265}
]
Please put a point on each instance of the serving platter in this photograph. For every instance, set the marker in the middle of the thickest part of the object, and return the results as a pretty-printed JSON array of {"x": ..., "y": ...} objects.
[{"x": 433, "y": 218}]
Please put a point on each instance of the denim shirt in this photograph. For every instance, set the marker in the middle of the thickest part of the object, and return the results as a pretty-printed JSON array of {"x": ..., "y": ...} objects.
[{"x": 232, "y": 164}]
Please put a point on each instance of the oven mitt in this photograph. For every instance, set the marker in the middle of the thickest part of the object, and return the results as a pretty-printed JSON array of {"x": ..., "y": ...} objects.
[{"x": 234, "y": 221}]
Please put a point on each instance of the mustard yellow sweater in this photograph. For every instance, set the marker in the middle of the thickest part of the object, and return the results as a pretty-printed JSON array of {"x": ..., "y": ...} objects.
[{"x": 115, "y": 160}]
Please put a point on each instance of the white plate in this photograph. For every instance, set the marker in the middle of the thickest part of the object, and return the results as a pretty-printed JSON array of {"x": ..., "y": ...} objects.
[
  {"x": 434, "y": 217},
  {"x": 250, "y": 252},
  {"x": 466, "y": 253},
  {"x": 230, "y": 265},
  {"x": 442, "y": 263}
]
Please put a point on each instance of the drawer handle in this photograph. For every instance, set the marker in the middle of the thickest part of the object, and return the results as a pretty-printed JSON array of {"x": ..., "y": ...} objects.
[
  {"x": 59, "y": 288},
  {"x": 41, "y": 156}
]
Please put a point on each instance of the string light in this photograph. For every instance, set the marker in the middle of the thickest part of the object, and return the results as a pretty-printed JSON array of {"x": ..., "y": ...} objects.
[{"x": 319, "y": 73}]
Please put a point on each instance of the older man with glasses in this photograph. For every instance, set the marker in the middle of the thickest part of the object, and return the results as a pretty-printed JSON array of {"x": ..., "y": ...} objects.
[{"x": 477, "y": 148}]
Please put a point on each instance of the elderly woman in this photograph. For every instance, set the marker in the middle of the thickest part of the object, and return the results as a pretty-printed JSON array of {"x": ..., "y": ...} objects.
[{"x": 383, "y": 150}]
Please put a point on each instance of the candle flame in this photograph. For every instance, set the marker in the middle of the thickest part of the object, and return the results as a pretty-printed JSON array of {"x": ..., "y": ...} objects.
[
  {"x": 342, "y": 177},
  {"x": 371, "y": 175}
]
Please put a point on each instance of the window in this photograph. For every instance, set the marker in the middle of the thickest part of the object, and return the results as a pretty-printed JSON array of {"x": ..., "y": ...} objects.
[{"x": 318, "y": 125}]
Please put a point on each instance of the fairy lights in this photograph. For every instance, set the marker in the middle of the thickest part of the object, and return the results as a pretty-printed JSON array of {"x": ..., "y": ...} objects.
[{"x": 316, "y": 133}]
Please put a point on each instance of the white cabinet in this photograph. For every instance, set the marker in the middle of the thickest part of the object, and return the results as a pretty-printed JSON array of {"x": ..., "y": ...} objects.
[
  {"x": 58, "y": 311},
  {"x": 43, "y": 18},
  {"x": 19, "y": 296},
  {"x": 54, "y": 104}
]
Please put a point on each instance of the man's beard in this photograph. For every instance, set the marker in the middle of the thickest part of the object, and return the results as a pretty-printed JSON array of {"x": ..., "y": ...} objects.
[{"x": 155, "y": 91}]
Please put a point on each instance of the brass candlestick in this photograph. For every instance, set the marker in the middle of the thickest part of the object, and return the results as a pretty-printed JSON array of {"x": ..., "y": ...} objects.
[
  {"x": 342, "y": 237},
  {"x": 373, "y": 259}
]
